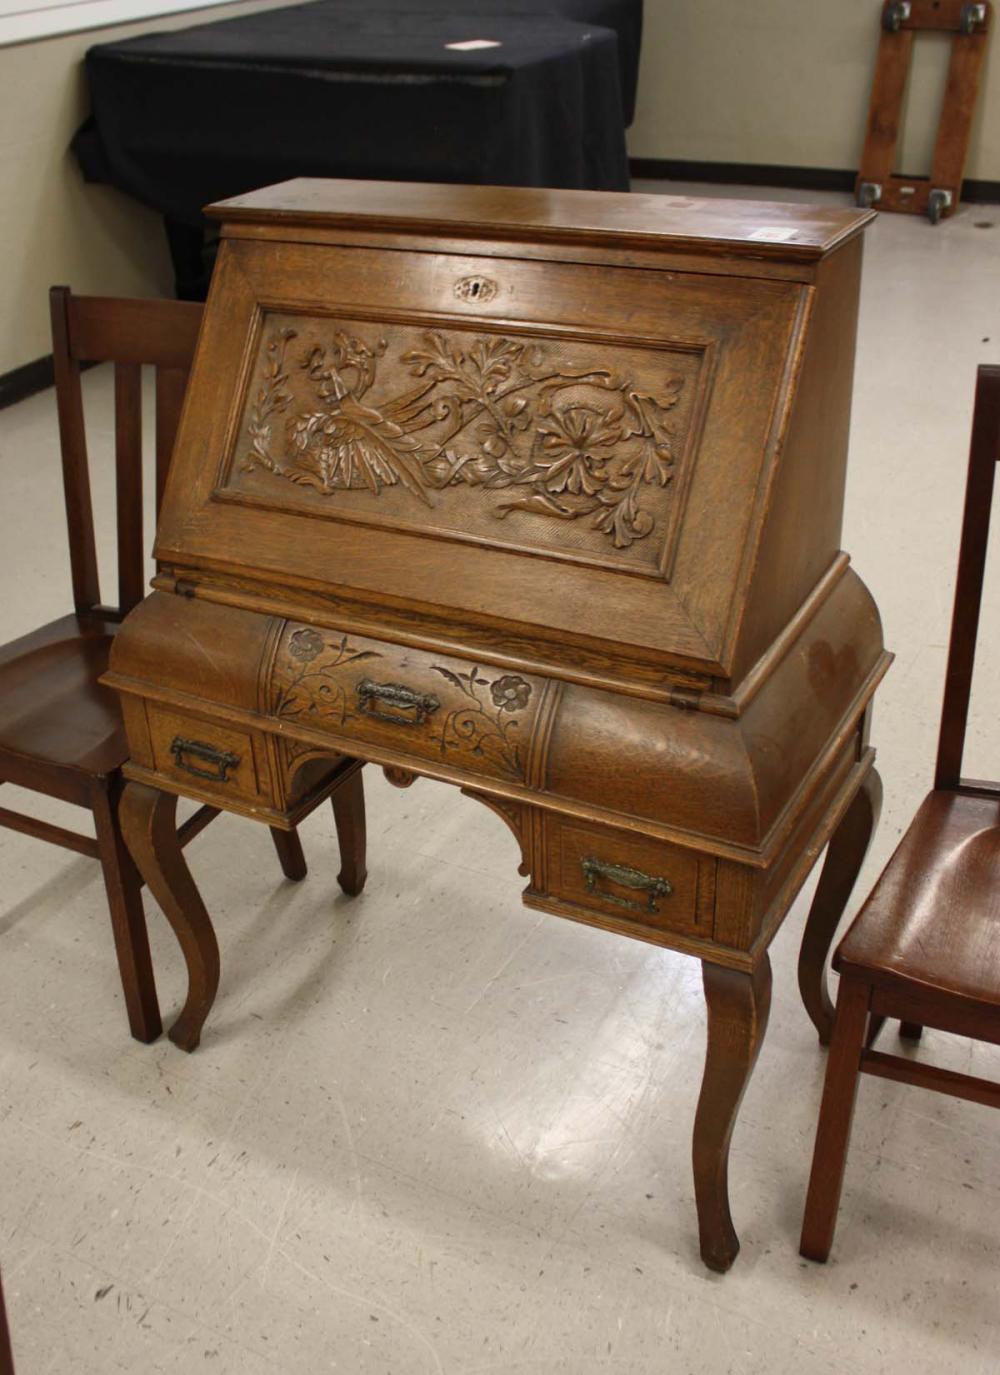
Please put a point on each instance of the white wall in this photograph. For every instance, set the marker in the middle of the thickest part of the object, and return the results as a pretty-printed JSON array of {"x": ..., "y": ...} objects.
[
  {"x": 54, "y": 227},
  {"x": 787, "y": 82}
]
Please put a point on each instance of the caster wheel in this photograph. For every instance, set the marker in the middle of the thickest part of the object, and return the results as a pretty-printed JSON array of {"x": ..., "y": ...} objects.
[
  {"x": 893, "y": 16},
  {"x": 869, "y": 193},
  {"x": 937, "y": 203}
]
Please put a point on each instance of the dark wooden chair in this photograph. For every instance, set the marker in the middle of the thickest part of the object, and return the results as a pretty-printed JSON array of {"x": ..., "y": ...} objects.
[
  {"x": 6, "y": 1356},
  {"x": 61, "y": 731},
  {"x": 925, "y": 948}
]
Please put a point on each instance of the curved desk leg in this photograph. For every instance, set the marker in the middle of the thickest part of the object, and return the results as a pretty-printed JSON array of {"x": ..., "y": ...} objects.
[
  {"x": 290, "y": 856},
  {"x": 148, "y": 821},
  {"x": 844, "y": 858},
  {"x": 349, "y": 816},
  {"x": 738, "y": 1007}
]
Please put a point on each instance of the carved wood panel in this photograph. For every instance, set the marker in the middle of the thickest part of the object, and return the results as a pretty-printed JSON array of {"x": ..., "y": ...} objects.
[
  {"x": 468, "y": 715},
  {"x": 573, "y": 448}
]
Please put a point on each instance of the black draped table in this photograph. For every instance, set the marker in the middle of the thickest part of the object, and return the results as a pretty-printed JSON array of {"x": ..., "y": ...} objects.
[{"x": 338, "y": 88}]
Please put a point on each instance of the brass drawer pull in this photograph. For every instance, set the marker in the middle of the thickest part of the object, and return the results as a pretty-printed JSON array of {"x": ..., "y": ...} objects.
[
  {"x": 422, "y": 704},
  {"x": 222, "y": 759},
  {"x": 627, "y": 877}
]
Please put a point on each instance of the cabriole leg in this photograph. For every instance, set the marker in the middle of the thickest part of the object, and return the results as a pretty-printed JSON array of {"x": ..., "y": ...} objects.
[
  {"x": 738, "y": 1006},
  {"x": 844, "y": 858},
  {"x": 290, "y": 856},
  {"x": 148, "y": 820}
]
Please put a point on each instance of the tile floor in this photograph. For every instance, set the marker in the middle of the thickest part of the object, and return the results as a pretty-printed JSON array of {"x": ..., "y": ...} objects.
[{"x": 432, "y": 1133}]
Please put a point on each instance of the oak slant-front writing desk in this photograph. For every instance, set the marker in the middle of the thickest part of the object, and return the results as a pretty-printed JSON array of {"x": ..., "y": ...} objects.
[{"x": 538, "y": 493}]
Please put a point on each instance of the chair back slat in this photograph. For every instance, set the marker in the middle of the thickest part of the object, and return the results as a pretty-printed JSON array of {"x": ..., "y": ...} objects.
[
  {"x": 128, "y": 484},
  {"x": 170, "y": 387},
  {"x": 129, "y": 334},
  {"x": 984, "y": 453},
  {"x": 73, "y": 449}
]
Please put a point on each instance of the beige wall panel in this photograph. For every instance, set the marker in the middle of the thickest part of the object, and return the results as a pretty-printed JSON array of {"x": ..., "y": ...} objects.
[
  {"x": 54, "y": 227},
  {"x": 786, "y": 82}
]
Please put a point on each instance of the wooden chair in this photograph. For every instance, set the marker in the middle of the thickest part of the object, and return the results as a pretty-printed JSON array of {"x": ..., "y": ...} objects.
[
  {"x": 6, "y": 1356},
  {"x": 925, "y": 948},
  {"x": 61, "y": 731}
]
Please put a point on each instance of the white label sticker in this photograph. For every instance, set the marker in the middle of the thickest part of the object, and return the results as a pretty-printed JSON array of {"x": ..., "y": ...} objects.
[
  {"x": 469, "y": 45},
  {"x": 772, "y": 234}
]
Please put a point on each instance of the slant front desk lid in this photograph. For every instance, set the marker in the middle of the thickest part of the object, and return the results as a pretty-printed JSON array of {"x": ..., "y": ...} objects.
[{"x": 604, "y": 433}]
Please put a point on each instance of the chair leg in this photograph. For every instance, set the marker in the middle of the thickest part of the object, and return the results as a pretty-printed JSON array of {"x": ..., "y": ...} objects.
[
  {"x": 910, "y": 1031},
  {"x": 349, "y": 817},
  {"x": 128, "y": 920},
  {"x": 6, "y": 1355},
  {"x": 290, "y": 856},
  {"x": 836, "y": 1113}
]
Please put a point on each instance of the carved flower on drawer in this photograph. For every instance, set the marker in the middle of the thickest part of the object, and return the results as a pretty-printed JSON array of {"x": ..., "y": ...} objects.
[
  {"x": 305, "y": 645},
  {"x": 510, "y": 693}
]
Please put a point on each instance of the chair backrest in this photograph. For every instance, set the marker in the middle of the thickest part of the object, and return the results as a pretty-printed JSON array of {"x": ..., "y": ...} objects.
[
  {"x": 129, "y": 334},
  {"x": 984, "y": 454}
]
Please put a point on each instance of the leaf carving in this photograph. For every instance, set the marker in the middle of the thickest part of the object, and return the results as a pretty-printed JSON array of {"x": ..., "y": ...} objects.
[{"x": 453, "y": 678}]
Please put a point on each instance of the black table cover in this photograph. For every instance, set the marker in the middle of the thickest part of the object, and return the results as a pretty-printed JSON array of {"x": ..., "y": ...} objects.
[
  {"x": 325, "y": 90},
  {"x": 340, "y": 88},
  {"x": 623, "y": 17}
]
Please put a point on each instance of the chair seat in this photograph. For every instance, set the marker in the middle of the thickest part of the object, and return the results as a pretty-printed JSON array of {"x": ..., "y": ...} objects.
[
  {"x": 53, "y": 710},
  {"x": 933, "y": 918}
]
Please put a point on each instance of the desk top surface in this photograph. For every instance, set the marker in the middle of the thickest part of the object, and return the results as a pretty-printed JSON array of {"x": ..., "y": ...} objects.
[{"x": 767, "y": 229}]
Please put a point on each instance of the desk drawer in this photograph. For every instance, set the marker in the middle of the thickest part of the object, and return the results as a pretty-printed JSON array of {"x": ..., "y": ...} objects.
[
  {"x": 207, "y": 756},
  {"x": 626, "y": 877},
  {"x": 407, "y": 701}
]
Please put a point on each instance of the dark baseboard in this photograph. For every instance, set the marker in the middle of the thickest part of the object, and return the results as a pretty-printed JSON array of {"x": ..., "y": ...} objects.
[
  {"x": 25, "y": 381},
  {"x": 762, "y": 174},
  {"x": 742, "y": 174},
  {"x": 20, "y": 383}
]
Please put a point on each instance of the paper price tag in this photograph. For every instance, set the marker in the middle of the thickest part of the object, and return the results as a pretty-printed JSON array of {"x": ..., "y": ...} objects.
[{"x": 772, "y": 234}]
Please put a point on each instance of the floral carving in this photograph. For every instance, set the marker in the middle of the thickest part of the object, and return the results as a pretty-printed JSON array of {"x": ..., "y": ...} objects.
[
  {"x": 495, "y": 415},
  {"x": 316, "y": 688},
  {"x": 306, "y": 644},
  {"x": 474, "y": 727},
  {"x": 510, "y": 693},
  {"x": 574, "y": 450},
  {"x": 319, "y": 679}
]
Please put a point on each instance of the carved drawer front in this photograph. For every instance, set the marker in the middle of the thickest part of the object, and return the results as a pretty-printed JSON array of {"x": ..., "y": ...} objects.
[
  {"x": 406, "y": 701},
  {"x": 620, "y": 875},
  {"x": 207, "y": 757}
]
